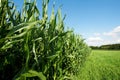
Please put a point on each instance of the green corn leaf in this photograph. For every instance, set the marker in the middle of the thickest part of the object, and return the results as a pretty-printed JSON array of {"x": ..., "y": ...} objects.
[
  {"x": 71, "y": 56},
  {"x": 52, "y": 22},
  {"x": 60, "y": 35},
  {"x": 53, "y": 56},
  {"x": 33, "y": 73},
  {"x": 0, "y": 3},
  {"x": 32, "y": 18},
  {"x": 35, "y": 56},
  {"x": 23, "y": 26},
  {"x": 37, "y": 12},
  {"x": 10, "y": 44},
  {"x": 53, "y": 39},
  {"x": 63, "y": 34},
  {"x": 2, "y": 40},
  {"x": 59, "y": 15},
  {"x": 38, "y": 39},
  {"x": 52, "y": 17},
  {"x": 17, "y": 28},
  {"x": 17, "y": 36},
  {"x": 26, "y": 49}
]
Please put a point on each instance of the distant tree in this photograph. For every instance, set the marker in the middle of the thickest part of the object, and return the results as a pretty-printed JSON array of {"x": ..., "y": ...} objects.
[
  {"x": 107, "y": 47},
  {"x": 94, "y": 47}
]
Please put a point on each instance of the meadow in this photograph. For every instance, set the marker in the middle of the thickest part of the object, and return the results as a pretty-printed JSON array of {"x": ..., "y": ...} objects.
[{"x": 101, "y": 65}]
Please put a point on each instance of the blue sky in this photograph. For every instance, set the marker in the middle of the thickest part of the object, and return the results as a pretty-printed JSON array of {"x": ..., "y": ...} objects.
[{"x": 98, "y": 21}]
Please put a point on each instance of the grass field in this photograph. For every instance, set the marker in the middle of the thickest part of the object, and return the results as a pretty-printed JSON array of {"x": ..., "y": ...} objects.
[{"x": 101, "y": 65}]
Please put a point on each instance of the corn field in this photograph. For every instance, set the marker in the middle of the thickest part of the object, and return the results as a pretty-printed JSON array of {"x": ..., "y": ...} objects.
[{"x": 37, "y": 48}]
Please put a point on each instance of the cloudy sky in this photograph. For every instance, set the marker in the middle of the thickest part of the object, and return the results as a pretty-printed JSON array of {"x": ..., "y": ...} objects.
[
  {"x": 110, "y": 37},
  {"x": 98, "y": 21}
]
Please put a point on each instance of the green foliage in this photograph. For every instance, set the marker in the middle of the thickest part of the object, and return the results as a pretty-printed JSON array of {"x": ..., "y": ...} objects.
[
  {"x": 34, "y": 48},
  {"x": 101, "y": 65},
  {"x": 107, "y": 47},
  {"x": 32, "y": 73}
]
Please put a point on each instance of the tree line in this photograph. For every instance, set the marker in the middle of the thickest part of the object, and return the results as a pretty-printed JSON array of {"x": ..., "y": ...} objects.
[{"x": 107, "y": 47}]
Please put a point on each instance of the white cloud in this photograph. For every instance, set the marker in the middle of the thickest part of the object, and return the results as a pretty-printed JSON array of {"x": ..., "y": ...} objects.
[
  {"x": 95, "y": 39},
  {"x": 117, "y": 29},
  {"x": 118, "y": 40},
  {"x": 114, "y": 33},
  {"x": 97, "y": 34},
  {"x": 111, "y": 37}
]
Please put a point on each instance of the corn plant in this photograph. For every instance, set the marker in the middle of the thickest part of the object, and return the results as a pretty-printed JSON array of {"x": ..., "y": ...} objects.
[{"x": 38, "y": 48}]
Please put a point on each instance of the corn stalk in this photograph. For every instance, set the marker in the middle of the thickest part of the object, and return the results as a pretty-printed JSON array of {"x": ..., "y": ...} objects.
[{"x": 38, "y": 48}]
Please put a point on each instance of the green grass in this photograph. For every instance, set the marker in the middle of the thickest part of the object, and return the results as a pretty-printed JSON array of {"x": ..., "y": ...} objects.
[{"x": 101, "y": 65}]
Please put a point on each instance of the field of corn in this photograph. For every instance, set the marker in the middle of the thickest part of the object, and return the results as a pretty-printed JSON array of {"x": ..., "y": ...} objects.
[
  {"x": 37, "y": 47},
  {"x": 101, "y": 65}
]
